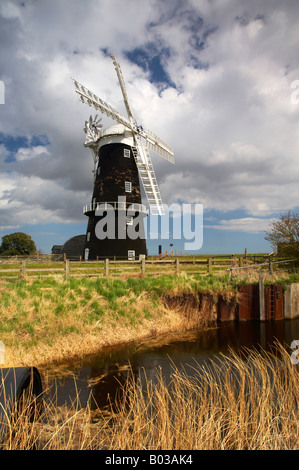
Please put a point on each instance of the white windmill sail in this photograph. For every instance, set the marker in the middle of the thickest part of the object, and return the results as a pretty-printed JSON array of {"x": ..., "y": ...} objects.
[
  {"x": 153, "y": 142},
  {"x": 123, "y": 88},
  {"x": 144, "y": 141},
  {"x": 88, "y": 97}
]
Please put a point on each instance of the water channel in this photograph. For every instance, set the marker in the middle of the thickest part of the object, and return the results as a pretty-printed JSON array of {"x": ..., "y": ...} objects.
[{"x": 104, "y": 373}]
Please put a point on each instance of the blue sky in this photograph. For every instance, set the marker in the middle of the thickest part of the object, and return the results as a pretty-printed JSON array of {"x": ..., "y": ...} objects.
[{"x": 211, "y": 77}]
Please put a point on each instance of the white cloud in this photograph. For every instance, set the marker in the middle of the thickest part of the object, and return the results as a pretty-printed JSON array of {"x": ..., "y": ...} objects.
[
  {"x": 31, "y": 152},
  {"x": 246, "y": 224},
  {"x": 29, "y": 200},
  {"x": 230, "y": 120}
]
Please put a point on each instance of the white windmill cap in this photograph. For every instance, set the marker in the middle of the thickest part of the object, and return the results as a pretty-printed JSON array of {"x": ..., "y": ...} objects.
[{"x": 117, "y": 133}]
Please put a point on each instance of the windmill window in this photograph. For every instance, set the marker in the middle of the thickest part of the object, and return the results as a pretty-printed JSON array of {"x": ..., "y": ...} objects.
[
  {"x": 99, "y": 170},
  {"x": 129, "y": 220},
  {"x": 131, "y": 255},
  {"x": 127, "y": 153},
  {"x": 128, "y": 186},
  {"x": 88, "y": 237},
  {"x": 86, "y": 254}
]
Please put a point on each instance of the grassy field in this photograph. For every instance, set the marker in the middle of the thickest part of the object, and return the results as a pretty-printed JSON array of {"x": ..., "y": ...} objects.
[
  {"x": 234, "y": 404},
  {"x": 54, "y": 318}
]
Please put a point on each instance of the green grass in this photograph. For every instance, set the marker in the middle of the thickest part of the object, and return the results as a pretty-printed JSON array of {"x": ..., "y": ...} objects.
[
  {"x": 276, "y": 278},
  {"x": 290, "y": 279},
  {"x": 46, "y": 310}
]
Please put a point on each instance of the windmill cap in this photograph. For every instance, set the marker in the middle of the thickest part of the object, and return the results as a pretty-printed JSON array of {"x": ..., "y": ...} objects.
[{"x": 117, "y": 133}]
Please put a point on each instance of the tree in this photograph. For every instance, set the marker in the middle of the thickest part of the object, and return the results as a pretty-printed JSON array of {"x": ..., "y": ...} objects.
[
  {"x": 18, "y": 243},
  {"x": 284, "y": 235}
]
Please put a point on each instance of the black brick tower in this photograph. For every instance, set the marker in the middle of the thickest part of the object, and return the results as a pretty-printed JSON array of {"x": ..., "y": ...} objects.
[{"x": 117, "y": 188}]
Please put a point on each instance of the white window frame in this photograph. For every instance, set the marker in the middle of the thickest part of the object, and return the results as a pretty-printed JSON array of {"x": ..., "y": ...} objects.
[
  {"x": 127, "y": 153},
  {"x": 86, "y": 254},
  {"x": 98, "y": 170},
  {"x": 130, "y": 219},
  {"x": 131, "y": 255},
  {"x": 88, "y": 237},
  {"x": 128, "y": 186}
]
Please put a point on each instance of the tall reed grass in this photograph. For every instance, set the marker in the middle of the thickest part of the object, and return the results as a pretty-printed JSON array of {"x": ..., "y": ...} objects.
[{"x": 238, "y": 402}]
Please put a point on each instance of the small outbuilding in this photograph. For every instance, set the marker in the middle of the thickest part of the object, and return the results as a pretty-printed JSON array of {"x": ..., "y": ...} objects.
[{"x": 72, "y": 249}]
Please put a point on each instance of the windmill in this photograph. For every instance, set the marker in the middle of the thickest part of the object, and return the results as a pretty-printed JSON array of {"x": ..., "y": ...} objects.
[{"x": 121, "y": 156}]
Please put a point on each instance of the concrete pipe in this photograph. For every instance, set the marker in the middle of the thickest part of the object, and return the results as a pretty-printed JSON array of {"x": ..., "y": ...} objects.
[{"x": 19, "y": 386}]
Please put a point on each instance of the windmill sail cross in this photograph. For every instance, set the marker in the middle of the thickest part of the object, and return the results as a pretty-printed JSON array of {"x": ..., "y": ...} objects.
[{"x": 140, "y": 151}]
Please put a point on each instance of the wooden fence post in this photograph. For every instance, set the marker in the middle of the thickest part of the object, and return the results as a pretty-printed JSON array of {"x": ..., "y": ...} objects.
[
  {"x": 143, "y": 267},
  {"x": 23, "y": 268},
  {"x": 261, "y": 297},
  {"x": 107, "y": 267},
  {"x": 177, "y": 262},
  {"x": 209, "y": 264},
  {"x": 67, "y": 268}
]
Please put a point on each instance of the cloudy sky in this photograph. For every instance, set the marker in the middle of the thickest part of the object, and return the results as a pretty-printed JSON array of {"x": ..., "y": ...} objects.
[{"x": 216, "y": 79}]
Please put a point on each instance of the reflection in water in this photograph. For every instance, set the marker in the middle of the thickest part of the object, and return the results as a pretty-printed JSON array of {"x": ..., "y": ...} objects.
[{"x": 104, "y": 374}]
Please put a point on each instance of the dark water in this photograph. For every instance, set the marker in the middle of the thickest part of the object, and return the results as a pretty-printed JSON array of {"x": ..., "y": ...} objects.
[{"x": 103, "y": 374}]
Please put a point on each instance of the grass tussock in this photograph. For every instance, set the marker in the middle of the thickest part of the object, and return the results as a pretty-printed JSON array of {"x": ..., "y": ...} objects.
[
  {"x": 55, "y": 318},
  {"x": 235, "y": 403},
  {"x": 231, "y": 404},
  {"x": 251, "y": 276}
]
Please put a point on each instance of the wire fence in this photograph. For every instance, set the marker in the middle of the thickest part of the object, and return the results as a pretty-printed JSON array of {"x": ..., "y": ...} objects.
[{"x": 269, "y": 265}]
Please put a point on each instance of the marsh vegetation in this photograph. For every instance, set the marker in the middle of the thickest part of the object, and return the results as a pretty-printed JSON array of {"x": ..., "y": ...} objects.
[
  {"x": 54, "y": 318},
  {"x": 239, "y": 402}
]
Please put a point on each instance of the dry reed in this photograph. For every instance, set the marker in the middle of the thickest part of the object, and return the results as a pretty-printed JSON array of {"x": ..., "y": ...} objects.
[{"x": 248, "y": 402}]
